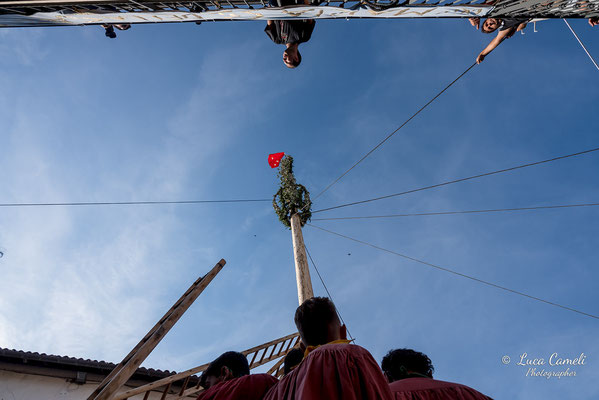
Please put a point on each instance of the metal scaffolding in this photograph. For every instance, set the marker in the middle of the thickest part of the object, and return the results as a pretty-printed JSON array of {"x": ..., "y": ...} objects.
[{"x": 15, "y": 13}]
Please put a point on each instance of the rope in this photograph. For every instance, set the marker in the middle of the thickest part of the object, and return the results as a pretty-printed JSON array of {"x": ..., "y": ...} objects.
[
  {"x": 458, "y": 273},
  {"x": 129, "y": 203},
  {"x": 393, "y": 133},
  {"x": 458, "y": 180},
  {"x": 584, "y": 48},
  {"x": 328, "y": 293},
  {"x": 460, "y": 212}
]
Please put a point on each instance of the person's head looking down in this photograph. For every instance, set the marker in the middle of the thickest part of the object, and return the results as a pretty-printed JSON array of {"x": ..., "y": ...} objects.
[
  {"x": 490, "y": 25},
  {"x": 227, "y": 366},
  {"x": 292, "y": 360},
  {"x": 291, "y": 56},
  {"x": 317, "y": 322},
  {"x": 406, "y": 363}
]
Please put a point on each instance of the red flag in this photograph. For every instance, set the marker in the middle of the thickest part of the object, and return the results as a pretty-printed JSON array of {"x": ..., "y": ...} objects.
[{"x": 275, "y": 159}]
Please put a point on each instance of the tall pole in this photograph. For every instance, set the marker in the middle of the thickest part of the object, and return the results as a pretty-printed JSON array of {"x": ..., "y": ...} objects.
[
  {"x": 302, "y": 271},
  {"x": 292, "y": 205}
]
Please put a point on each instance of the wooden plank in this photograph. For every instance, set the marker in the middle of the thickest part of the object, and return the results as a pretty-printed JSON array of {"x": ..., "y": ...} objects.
[
  {"x": 275, "y": 367},
  {"x": 276, "y": 370},
  {"x": 273, "y": 350},
  {"x": 265, "y": 361},
  {"x": 127, "y": 367},
  {"x": 253, "y": 358},
  {"x": 263, "y": 354},
  {"x": 192, "y": 391},
  {"x": 161, "y": 382},
  {"x": 165, "y": 391},
  {"x": 267, "y": 344},
  {"x": 184, "y": 386},
  {"x": 288, "y": 345}
]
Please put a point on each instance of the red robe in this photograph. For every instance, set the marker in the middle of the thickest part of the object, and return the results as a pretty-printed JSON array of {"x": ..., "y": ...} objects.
[
  {"x": 334, "y": 372},
  {"x": 249, "y": 387},
  {"x": 431, "y": 389}
]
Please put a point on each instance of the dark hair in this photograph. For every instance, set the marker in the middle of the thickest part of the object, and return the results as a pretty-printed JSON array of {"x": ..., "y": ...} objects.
[
  {"x": 483, "y": 30},
  {"x": 299, "y": 60},
  {"x": 236, "y": 362},
  {"x": 398, "y": 364},
  {"x": 292, "y": 359},
  {"x": 313, "y": 318},
  {"x": 294, "y": 64}
]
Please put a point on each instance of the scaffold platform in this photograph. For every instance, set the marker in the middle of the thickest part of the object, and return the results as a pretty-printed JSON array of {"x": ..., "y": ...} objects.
[{"x": 23, "y": 13}]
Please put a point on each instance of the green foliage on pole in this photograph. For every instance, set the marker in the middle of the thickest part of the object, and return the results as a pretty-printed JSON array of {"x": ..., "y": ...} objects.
[{"x": 292, "y": 198}]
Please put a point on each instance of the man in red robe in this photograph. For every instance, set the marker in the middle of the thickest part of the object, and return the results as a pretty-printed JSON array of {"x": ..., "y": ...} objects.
[
  {"x": 332, "y": 369},
  {"x": 228, "y": 378},
  {"x": 410, "y": 374}
]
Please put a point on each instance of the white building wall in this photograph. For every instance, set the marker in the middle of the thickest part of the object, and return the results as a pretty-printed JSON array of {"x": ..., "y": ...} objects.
[{"x": 20, "y": 386}]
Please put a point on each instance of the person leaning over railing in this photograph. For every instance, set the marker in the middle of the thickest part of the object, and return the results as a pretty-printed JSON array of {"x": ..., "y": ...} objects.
[
  {"x": 291, "y": 33},
  {"x": 109, "y": 29},
  {"x": 507, "y": 27}
]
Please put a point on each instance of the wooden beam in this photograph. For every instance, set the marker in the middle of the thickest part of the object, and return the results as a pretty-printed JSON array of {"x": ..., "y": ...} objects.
[
  {"x": 266, "y": 360},
  {"x": 165, "y": 391},
  {"x": 275, "y": 367},
  {"x": 160, "y": 382},
  {"x": 288, "y": 345},
  {"x": 122, "y": 372},
  {"x": 302, "y": 272},
  {"x": 184, "y": 386},
  {"x": 268, "y": 344},
  {"x": 189, "y": 392}
]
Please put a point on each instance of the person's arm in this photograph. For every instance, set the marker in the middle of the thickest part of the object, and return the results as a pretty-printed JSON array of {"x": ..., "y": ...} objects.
[
  {"x": 475, "y": 22},
  {"x": 501, "y": 36},
  {"x": 521, "y": 27},
  {"x": 594, "y": 21}
]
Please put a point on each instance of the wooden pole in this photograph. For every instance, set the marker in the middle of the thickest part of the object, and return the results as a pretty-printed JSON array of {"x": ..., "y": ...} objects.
[
  {"x": 302, "y": 272},
  {"x": 122, "y": 372}
]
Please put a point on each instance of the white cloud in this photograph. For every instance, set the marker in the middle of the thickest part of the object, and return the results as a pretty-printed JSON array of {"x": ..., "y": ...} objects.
[
  {"x": 90, "y": 282},
  {"x": 23, "y": 45}
]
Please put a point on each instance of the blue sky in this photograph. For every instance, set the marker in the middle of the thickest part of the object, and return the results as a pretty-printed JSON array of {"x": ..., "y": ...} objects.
[{"x": 191, "y": 112}]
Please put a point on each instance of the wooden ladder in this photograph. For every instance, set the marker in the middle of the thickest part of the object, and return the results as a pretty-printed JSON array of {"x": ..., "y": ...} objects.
[{"x": 183, "y": 384}]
